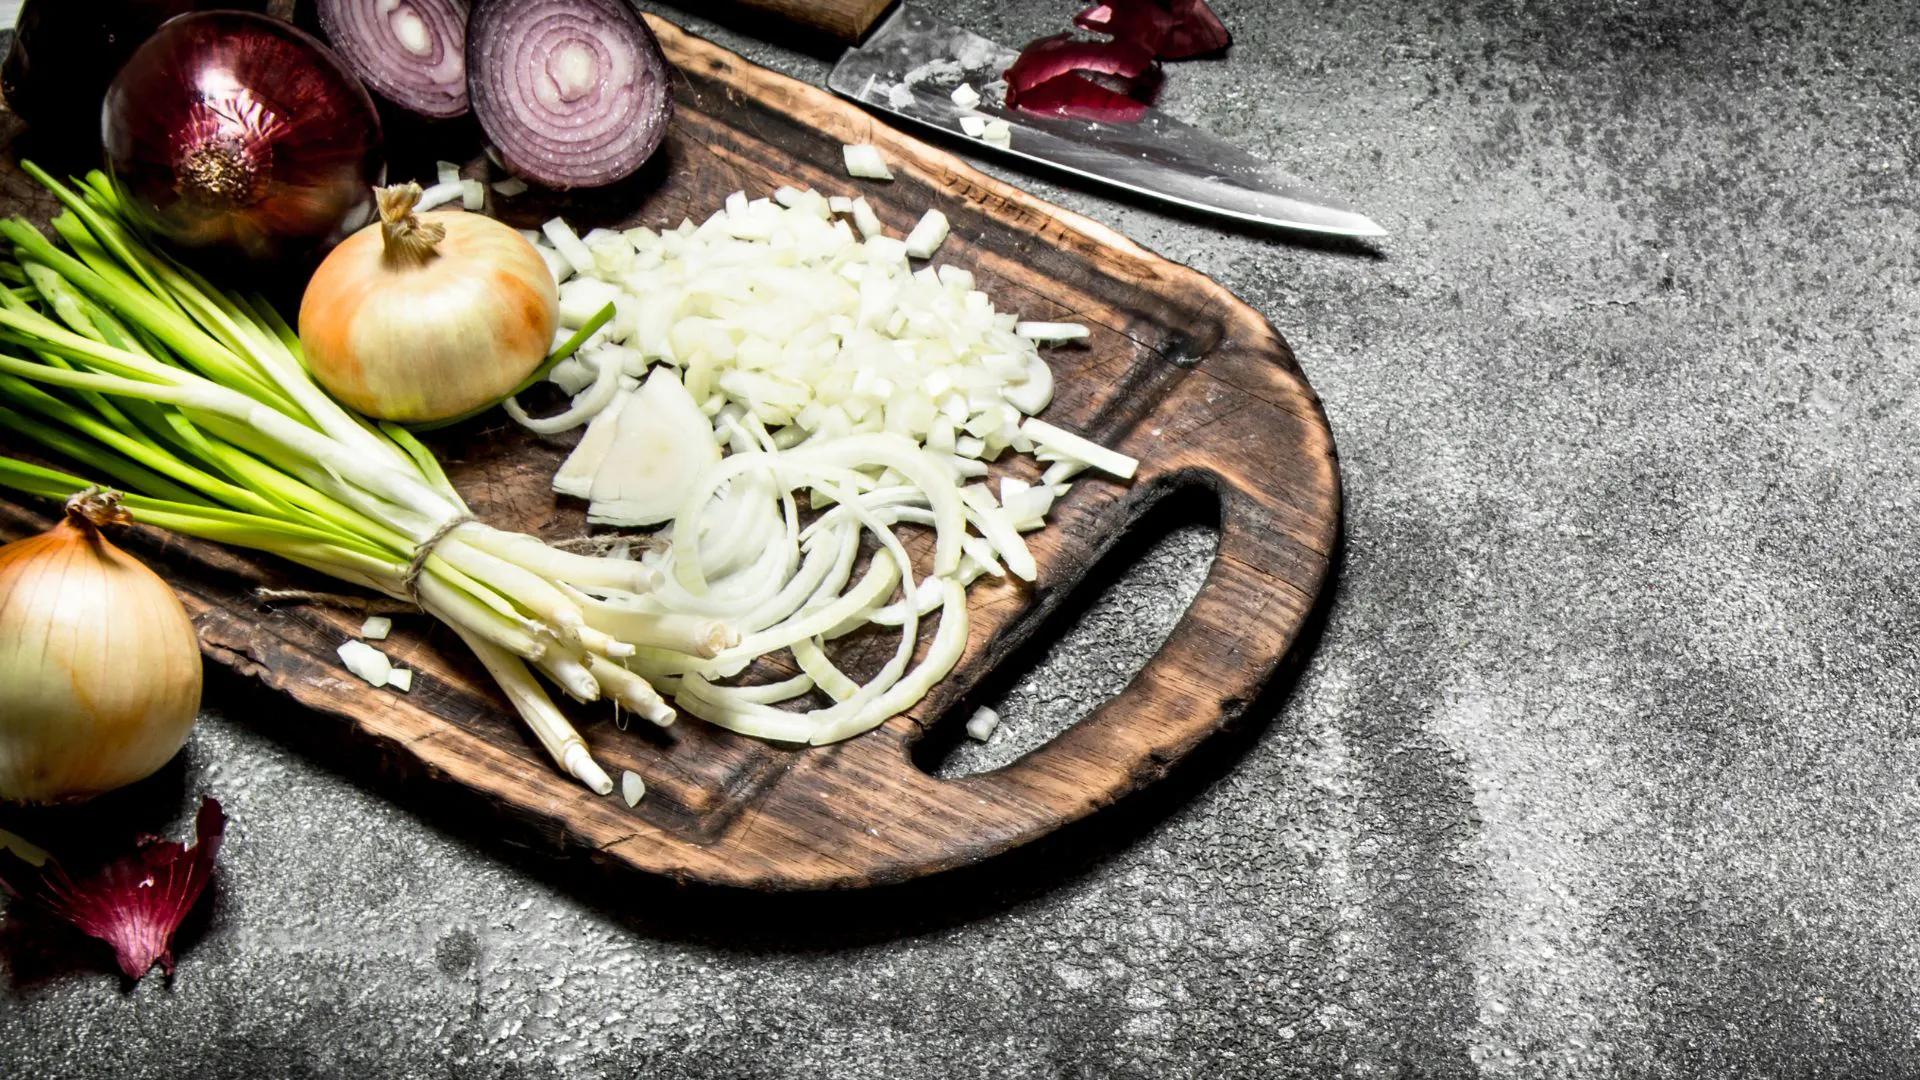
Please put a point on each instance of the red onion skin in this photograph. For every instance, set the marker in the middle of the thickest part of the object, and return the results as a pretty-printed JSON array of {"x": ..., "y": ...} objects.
[
  {"x": 235, "y": 132},
  {"x": 1170, "y": 29},
  {"x": 1073, "y": 95}
]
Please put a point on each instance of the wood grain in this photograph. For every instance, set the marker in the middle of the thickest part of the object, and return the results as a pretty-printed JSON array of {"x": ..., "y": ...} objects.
[{"x": 1178, "y": 373}]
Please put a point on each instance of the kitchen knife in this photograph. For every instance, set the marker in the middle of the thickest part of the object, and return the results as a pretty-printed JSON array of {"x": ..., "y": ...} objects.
[{"x": 911, "y": 64}]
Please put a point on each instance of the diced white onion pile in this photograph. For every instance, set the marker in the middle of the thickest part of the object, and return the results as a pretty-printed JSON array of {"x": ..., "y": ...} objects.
[{"x": 794, "y": 334}]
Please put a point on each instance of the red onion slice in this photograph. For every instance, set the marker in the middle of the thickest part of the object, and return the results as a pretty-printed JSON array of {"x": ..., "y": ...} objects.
[
  {"x": 1045, "y": 79},
  {"x": 411, "y": 52},
  {"x": 572, "y": 93}
]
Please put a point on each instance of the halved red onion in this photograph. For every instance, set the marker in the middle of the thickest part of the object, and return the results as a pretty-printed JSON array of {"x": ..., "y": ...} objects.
[
  {"x": 1045, "y": 79},
  {"x": 572, "y": 93},
  {"x": 1081, "y": 97},
  {"x": 411, "y": 52}
]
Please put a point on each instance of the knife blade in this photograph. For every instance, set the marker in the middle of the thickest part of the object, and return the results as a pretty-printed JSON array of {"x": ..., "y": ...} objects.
[{"x": 912, "y": 62}]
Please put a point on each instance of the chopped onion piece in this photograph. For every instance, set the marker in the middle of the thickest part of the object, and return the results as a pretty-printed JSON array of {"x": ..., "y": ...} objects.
[
  {"x": 446, "y": 172},
  {"x": 440, "y": 195},
  {"x": 864, "y": 161},
  {"x": 473, "y": 194},
  {"x": 966, "y": 96},
  {"x": 973, "y": 126},
  {"x": 840, "y": 204},
  {"x": 632, "y": 788},
  {"x": 401, "y": 679},
  {"x": 927, "y": 235},
  {"x": 1074, "y": 447},
  {"x": 367, "y": 662},
  {"x": 376, "y": 628},
  {"x": 999, "y": 133},
  {"x": 568, "y": 244},
  {"x": 981, "y": 724},
  {"x": 511, "y": 186},
  {"x": 1050, "y": 331}
]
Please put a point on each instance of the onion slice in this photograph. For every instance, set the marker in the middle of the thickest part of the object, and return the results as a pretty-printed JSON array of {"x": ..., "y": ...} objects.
[
  {"x": 1046, "y": 79},
  {"x": 572, "y": 93},
  {"x": 411, "y": 52},
  {"x": 1172, "y": 30}
]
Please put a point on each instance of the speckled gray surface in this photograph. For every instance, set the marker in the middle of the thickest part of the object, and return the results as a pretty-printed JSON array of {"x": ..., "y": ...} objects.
[{"x": 1603, "y": 766}]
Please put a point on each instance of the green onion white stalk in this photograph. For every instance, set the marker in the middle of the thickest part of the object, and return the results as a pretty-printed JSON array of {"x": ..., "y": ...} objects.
[{"x": 197, "y": 403}]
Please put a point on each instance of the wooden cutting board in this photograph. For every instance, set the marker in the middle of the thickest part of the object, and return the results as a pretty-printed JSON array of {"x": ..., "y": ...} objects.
[{"x": 1178, "y": 373}]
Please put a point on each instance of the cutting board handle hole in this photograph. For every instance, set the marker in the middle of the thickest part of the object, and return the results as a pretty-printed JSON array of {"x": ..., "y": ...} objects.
[{"x": 1115, "y": 620}]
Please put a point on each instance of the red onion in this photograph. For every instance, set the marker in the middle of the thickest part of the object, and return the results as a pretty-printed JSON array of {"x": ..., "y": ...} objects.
[
  {"x": 234, "y": 131},
  {"x": 572, "y": 93},
  {"x": 65, "y": 53},
  {"x": 1044, "y": 79},
  {"x": 411, "y": 52}
]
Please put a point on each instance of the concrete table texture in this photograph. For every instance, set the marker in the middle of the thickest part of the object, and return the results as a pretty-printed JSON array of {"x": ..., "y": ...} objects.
[{"x": 1604, "y": 763}]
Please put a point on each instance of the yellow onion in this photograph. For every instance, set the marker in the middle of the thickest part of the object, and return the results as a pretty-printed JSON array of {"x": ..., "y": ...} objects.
[
  {"x": 99, "y": 664},
  {"x": 425, "y": 317}
]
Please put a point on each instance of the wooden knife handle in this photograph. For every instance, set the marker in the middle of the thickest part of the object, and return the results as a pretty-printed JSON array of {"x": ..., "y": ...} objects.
[{"x": 843, "y": 20}]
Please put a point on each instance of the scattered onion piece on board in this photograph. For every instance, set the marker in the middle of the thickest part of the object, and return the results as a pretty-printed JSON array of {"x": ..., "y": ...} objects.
[{"x": 864, "y": 161}]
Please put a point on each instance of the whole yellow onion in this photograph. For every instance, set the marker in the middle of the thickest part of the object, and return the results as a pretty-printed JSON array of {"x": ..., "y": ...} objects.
[
  {"x": 99, "y": 664},
  {"x": 426, "y": 317}
]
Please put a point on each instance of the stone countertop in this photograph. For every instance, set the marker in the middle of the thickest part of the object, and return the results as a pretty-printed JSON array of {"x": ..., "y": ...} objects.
[{"x": 1603, "y": 764}]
